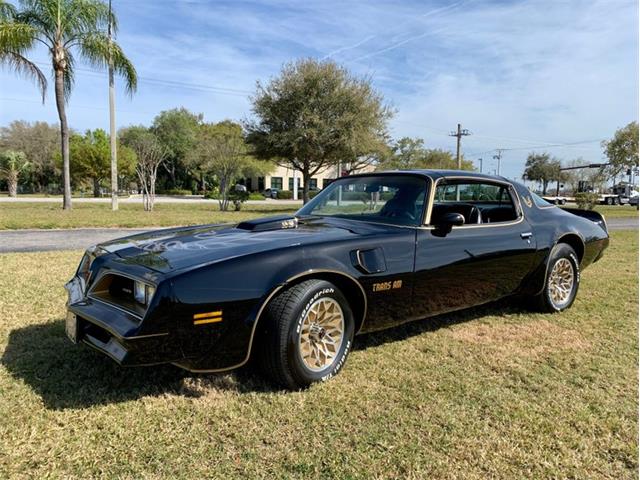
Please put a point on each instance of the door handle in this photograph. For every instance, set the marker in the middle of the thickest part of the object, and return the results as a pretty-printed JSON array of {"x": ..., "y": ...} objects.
[{"x": 526, "y": 235}]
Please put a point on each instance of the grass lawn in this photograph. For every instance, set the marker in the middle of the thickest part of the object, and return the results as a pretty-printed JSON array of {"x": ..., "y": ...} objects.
[
  {"x": 492, "y": 392},
  {"x": 51, "y": 215},
  {"x": 617, "y": 211}
]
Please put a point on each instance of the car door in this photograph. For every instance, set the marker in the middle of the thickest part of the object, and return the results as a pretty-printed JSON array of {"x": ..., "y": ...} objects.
[{"x": 472, "y": 264}]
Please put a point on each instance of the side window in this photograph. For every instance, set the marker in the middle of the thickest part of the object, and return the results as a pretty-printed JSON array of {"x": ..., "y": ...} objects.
[{"x": 478, "y": 202}]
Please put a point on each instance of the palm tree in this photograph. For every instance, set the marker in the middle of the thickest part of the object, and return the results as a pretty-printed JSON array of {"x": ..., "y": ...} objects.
[{"x": 65, "y": 27}]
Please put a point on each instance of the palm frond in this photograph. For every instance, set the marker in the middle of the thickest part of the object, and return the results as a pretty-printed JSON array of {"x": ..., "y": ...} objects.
[
  {"x": 98, "y": 51},
  {"x": 7, "y": 10},
  {"x": 26, "y": 68},
  {"x": 17, "y": 37},
  {"x": 69, "y": 75},
  {"x": 15, "y": 40},
  {"x": 86, "y": 16}
]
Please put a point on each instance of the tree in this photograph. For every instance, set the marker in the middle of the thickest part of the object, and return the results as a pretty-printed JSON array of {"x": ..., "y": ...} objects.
[
  {"x": 12, "y": 164},
  {"x": 176, "y": 130},
  {"x": 622, "y": 149},
  {"x": 315, "y": 114},
  {"x": 91, "y": 159},
  {"x": 221, "y": 151},
  {"x": 410, "y": 153},
  {"x": 593, "y": 177},
  {"x": 38, "y": 141},
  {"x": 64, "y": 27},
  {"x": 540, "y": 167},
  {"x": 151, "y": 154}
]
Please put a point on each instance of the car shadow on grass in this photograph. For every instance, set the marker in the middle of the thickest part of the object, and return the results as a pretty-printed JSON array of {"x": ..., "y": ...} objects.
[{"x": 75, "y": 376}]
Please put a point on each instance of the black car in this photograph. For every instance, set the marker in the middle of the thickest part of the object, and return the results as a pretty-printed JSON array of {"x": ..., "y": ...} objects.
[{"x": 367, "y": 253}]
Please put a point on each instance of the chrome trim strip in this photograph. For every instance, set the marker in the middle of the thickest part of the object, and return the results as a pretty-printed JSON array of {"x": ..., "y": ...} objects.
[
  {"x": 517, "y": 205},
  {"x": 264, "y": 305}
]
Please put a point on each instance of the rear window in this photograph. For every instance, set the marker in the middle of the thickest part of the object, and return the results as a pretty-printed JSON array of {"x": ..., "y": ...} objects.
[{"x": 540, "y": 202}]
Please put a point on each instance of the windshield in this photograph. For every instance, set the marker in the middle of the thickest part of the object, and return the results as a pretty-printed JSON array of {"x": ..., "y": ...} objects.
[{"x": 397, "y": 199}]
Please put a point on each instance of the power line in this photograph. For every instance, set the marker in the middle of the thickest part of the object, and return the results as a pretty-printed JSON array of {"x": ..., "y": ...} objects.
[
  {"x": 74, "y": 105},
  {"x": 173, "y": 83},
  {"x": 534, "y": 147}
]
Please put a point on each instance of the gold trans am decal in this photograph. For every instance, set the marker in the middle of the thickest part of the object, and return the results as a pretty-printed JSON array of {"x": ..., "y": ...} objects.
[
  {"x": 528, "y": 202},
  {"x": 382, "y": 286}
]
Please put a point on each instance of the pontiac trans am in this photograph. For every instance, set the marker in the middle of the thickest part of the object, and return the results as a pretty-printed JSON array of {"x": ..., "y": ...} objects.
[{"x": 369, "y": 252}]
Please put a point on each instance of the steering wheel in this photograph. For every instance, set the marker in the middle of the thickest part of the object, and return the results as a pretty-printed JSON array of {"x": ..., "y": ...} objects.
[{"x": 395, "y": 212}]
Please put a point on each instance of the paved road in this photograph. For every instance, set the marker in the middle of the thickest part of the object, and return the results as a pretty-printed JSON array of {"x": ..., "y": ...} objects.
[
  {"x": 622, "y": 223},
  {"x": 81, "y": 238},
  {"x": 47, "y": 240}
]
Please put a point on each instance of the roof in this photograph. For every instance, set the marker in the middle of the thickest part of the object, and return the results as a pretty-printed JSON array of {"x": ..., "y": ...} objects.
[{"x": 435, "y": 174}]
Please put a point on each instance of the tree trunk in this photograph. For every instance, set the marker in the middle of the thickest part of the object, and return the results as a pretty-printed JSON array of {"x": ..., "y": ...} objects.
[
  {"x": 64, "y": 136},
  {"x": 544, "y": 187},
  {"x": 223, "y": 201},
  {"x": 12, "y": 181},
  {"x": 306, "y": 179},
  {"x": 96, "y": 187}
]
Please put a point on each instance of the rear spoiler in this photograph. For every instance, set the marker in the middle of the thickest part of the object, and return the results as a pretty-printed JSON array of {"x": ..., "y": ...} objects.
[{"x": 592, "y": 215}]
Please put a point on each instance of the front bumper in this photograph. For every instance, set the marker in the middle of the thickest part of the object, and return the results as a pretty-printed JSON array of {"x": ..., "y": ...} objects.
[{"x": 113, "y": 331}]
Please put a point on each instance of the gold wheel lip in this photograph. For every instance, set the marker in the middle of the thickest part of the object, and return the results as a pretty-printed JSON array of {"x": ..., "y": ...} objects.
[
  {"x": 308, "y": 325},
  {"x": 561, "y": 282}
]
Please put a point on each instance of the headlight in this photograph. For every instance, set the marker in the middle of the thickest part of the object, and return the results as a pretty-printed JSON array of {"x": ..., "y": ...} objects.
[{"x": 143, "y": 292}]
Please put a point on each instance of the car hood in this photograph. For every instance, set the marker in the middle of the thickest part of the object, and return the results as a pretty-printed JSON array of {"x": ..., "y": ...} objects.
[{"x": 186, "y": 247}]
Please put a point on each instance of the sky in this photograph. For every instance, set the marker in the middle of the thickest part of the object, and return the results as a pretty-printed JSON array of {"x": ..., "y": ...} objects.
[{"x": 525, "y": 75}]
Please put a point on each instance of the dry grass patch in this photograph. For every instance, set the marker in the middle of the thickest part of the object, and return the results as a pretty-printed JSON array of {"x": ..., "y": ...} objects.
[{"x": 530, "y": 339}]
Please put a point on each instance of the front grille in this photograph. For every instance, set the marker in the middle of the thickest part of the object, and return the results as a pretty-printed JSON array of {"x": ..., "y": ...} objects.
[{"x": 117, "y": 290}]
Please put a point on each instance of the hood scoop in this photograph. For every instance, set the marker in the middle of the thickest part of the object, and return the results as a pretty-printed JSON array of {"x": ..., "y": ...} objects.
[{"x": 280, "y": 222}]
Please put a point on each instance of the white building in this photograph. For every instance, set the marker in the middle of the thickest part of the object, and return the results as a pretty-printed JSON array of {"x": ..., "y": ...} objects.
[{"x": 282, "y": 178}]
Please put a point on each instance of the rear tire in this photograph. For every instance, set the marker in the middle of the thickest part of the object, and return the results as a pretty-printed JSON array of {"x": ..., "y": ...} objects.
[
  {"x": 562, "y": 280},
  {"x": 307, "y": 333}
]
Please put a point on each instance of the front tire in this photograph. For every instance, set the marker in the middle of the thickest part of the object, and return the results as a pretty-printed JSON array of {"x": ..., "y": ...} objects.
[
  {"x": 562, "y": 281},
  {"x": 307, "y": 334}
]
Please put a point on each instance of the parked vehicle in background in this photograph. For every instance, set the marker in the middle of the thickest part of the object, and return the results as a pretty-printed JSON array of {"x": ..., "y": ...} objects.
[
  {"x": 617, "y": 195},
  {"x": 556, "y": 199},
  {"x": 271, "y": 193}
]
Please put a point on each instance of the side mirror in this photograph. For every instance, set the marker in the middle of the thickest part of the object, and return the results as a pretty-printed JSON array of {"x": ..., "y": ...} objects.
[
  {"x": 451, "y": 219},
  {"x": 445, "y": 223}
]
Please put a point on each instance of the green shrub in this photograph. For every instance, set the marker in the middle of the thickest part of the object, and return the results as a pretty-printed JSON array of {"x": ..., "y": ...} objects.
[
  {"x": 314, "y": 193},
  {"x": 256, "y": 196},
  {"x": 285, "y": 194},
  {"x": 238, "y": 197},
  {"x": 587, "y": 200}
]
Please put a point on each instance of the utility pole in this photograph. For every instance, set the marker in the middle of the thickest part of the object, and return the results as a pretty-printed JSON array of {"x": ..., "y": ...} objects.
[
  {"x": 459, "y": 134},
  {"x": 112, "y": 126},
  {"x": 498, "y": 157},
  {"x": 480, "y": 160}
]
